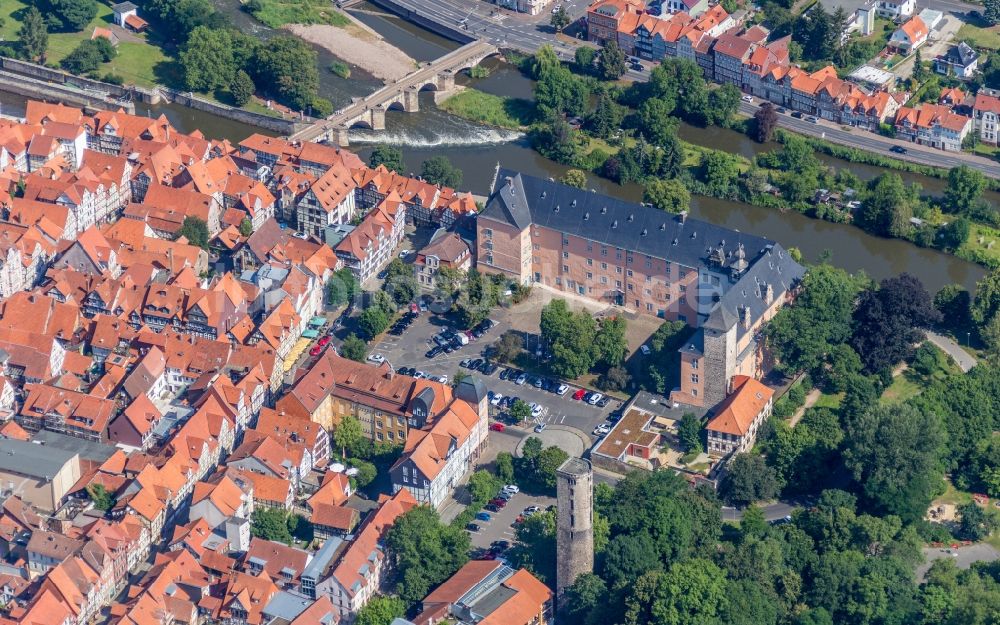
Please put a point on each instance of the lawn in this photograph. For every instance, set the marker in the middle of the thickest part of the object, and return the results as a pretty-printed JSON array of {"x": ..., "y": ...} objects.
[
  {"x": 984, "y": 242},
  {"x": 987, "y": 38},
  {"x": 901, "y": 389},
  {"x": 486, "y": 108},
  {"x": 829, "y": 401},
  {"x": 277, "y": 13}
]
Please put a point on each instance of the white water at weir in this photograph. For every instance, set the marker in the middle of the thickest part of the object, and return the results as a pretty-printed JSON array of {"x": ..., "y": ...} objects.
[{"x": 427, "y": 138}]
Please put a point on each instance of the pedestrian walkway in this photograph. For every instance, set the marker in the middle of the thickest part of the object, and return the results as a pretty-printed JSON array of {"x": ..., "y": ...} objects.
[{"x": 962, "y": 358}]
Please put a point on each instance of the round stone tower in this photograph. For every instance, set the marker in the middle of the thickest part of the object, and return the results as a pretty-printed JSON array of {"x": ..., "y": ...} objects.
[{"x": 574, "y": 522}]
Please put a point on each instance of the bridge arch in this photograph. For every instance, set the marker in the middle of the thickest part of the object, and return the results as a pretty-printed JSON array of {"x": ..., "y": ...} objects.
[
  {"x": 361, "y": 123},
  {"x": 396, "y": 106}
]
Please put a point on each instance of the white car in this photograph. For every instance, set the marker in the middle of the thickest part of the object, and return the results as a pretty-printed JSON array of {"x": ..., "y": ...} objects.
[
  {"x": 496, "y": 399},
  {"x": 405, "y": 253},
  {"x": 301, "y": 235},
  {"x": 418, "y": 375},
  {"x": 747, "y": 98},
  {"x": 602, "y": 430},
  {"x": 644, "y": 349},
  {"x": 512, "y": 489},
  {"x": 536, "y": 410},
  {"x": 443, "y": 379},
  {"x": 596, "y": 397},
  {"x": 376, "y": 358},
  {"x": 561, "y": 390},
  {"x": 521, "y": 379}
]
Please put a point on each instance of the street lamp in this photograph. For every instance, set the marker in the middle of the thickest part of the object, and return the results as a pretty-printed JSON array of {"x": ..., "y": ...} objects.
[{"x": 968, "y": 339}]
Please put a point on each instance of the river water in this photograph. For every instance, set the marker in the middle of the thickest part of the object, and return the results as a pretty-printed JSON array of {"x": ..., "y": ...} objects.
[{"x": 477, "y": 150}]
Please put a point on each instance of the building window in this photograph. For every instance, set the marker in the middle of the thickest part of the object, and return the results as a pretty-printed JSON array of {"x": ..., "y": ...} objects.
[
  {"x": 604, "y": 280},
  {"x": 618, "y": 270},
  {"x": 694, "y": 364},
  {"x": 694, "y": 378},
  {"x": 565, "y": 254},
  {"x": 629, "y": 273},
  {"x": 604, "y": 251},
  {"x": 604, "y": 266},
  {"x": 566, "y": 268},
  {"x": 590, "y": 262},
  {"x": 535, "y": 247},
  {"x": 590, "y": 276},
  {"x": 487, "y": 232}
]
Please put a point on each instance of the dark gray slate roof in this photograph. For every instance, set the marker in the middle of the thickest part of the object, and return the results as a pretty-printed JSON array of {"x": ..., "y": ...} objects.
[
  {"x": 521, "y": 200},
  {"x": 471, "y": 389},
  {"x": 962, "y": 54},
  {"x": 33, "y": 460}
]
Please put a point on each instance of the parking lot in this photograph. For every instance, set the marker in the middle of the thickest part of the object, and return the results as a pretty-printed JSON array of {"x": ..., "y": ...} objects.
[
  {"x": 501, "y": 524},
  {"x": 409, "y": 349}
]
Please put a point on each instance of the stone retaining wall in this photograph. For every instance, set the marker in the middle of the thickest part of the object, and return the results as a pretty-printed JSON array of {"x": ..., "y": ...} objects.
[
  {"x": 52, "y": 92},
  {"x": 276, "y": 124}
]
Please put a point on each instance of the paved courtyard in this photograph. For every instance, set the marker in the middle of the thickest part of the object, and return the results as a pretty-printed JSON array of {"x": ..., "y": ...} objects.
[{"x": 501, "y": 524}]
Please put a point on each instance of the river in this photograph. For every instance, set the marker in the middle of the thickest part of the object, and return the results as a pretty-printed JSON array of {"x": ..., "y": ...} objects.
[{"x": 477, "y": 150}]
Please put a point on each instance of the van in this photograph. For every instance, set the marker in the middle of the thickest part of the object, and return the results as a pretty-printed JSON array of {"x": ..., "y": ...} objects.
[{"x": 462, "y": 338}]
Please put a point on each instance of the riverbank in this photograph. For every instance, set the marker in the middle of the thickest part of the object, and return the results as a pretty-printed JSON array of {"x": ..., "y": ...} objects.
[{"x": 360, "y": 46}]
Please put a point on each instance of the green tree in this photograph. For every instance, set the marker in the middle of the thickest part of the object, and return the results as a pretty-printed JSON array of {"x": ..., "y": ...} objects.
[
  {"x": 520, "y": 411},
  {"x": 483, "y": 486},
  {"x": 656, "y": 121},
  {"x": 246, "y": 227},
  {"x": 271, "y": 524},
  {"x": 583, "y": 58},
  {"x": 505, "y": 467},
  {"x": 606, "y": 118},
  {"x": 574, "y": 178},
  {"x": 440, "y": 171},
  {"x": 508, "y": 347},
  {"x": 299, "y": 527},
  {"x": 195, "y": 230},
  {"x": 953, "y": 235},
  {"x": 535, "y": 470},
  {"x": 373, "y": 321},
  {"x": 241, "y": 87},
  {"x": 965, "y": 188},
  {"x": 570, "y": 336},
  {"x": 33, "y": 36},
  {"x": 380, "y": 610},
  {"x": 354, "y": 348},
  {"x": 367, "y": 472},
  {"x": 424, "y": 552},
  {"x": 560, "y": 19},
  {"x": 400, "y": 282},
  {"x": 103, "y": 500},
  {"x": 586, "y": 601},
  {"x": 723, "y": 104},
  {"x": 71, "y": 15},
  {"x": 348, "y": 435},
  {"x": 286, "y": 68},
  {"x": 611, "y": 61},
  {"x": 893, "y": 453},
  {"x": 977, "y": 522},
  {"x": 720, "y": 172},
  {"x": 689, "y": 432},
  {"x": 390, "y": 156},
  {"x": 85, "y": 58},
  {"x": 748, "y": 479},
  {"x": 954, "y": 304},
  {"x": 919, "y": 73},
  {"x": 610, "y": 341},
  {"x": 886, "y": 208},
  {"x": 692, "y": 592},
  {"x": 342, "y": 287},
  {"x": 535, "y": 548},
  {"x": 668, "y": 195},
  {"x": 801, "y": 335},
  {"x": 207, "y": 59},
  {"x": 991, "y": 12}
]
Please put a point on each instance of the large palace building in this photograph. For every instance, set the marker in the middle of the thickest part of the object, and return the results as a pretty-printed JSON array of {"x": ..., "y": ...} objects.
[{"x": 724, "y": 282}]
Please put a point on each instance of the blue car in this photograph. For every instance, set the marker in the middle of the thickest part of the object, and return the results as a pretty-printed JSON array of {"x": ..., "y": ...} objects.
[{"x": 483, "y": 516}]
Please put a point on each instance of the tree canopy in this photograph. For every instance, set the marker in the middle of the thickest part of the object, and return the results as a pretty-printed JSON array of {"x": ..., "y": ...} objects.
[{"x": 424, "y": 552}]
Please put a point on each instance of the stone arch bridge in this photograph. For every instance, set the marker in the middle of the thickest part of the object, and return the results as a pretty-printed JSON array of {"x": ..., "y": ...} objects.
[{"x": 402, "y": 95}]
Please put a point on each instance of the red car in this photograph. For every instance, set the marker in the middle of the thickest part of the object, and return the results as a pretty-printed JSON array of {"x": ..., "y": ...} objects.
[
  {"x": 579, "y": 394},
  {"x": 499, "y": 503},
  {"x": 316, "y": 349},
  {"x": 323, "y": 341},
  {"x": 498, "y": 427},
  {"x": 414, "y": 308}
]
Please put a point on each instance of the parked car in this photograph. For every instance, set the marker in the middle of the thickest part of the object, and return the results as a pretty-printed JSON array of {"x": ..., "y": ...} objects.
[
  {"x": 376, "y": 358},
  {"x": 498, "y": 427},
  {"x": 747, "y": 98},
  {"x": 521, "y": 379},
  {"x": 498, "y": 502},
  {"x": 538, "y": 382},
  {"x": 540, "y": 428},
  {"x": 316, "y": 349},
  {"x": 491, "y": 507},
  {"x": 505, "y": 373},
  {"x": 532, "y": 510},
  {"x": 812, "y": 119},
  {"x": 443, "y": 379},
  {"x": 465, "y": 363},
  {"x": 782, "y": 110},
  {"x": 419, "y": 375},
  {"x": 474, "y": 364},
  {"x": 512, "y": 489},
  {"x": 489, "y": 368},
  {"x": 561, "y": 389},
  {"x": 602, "y": 429},
  {"x": 596, "y": 397},
  {"x": 472, "y": 527},
  {"x": 484, "y": 516},
  {"x": 604, "y": 401},
  {"x": 579, "y": 394},
  {"x": 797, "y": 114},
  {"x": 536, "y": 410},
  {"x": 433, "y": 352},
  {"x": 323, "y": 340},
  {"x": 496, "y": 399},
  {"x": 500, "y": 545},
  {"x": 644, "y": 349}
]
